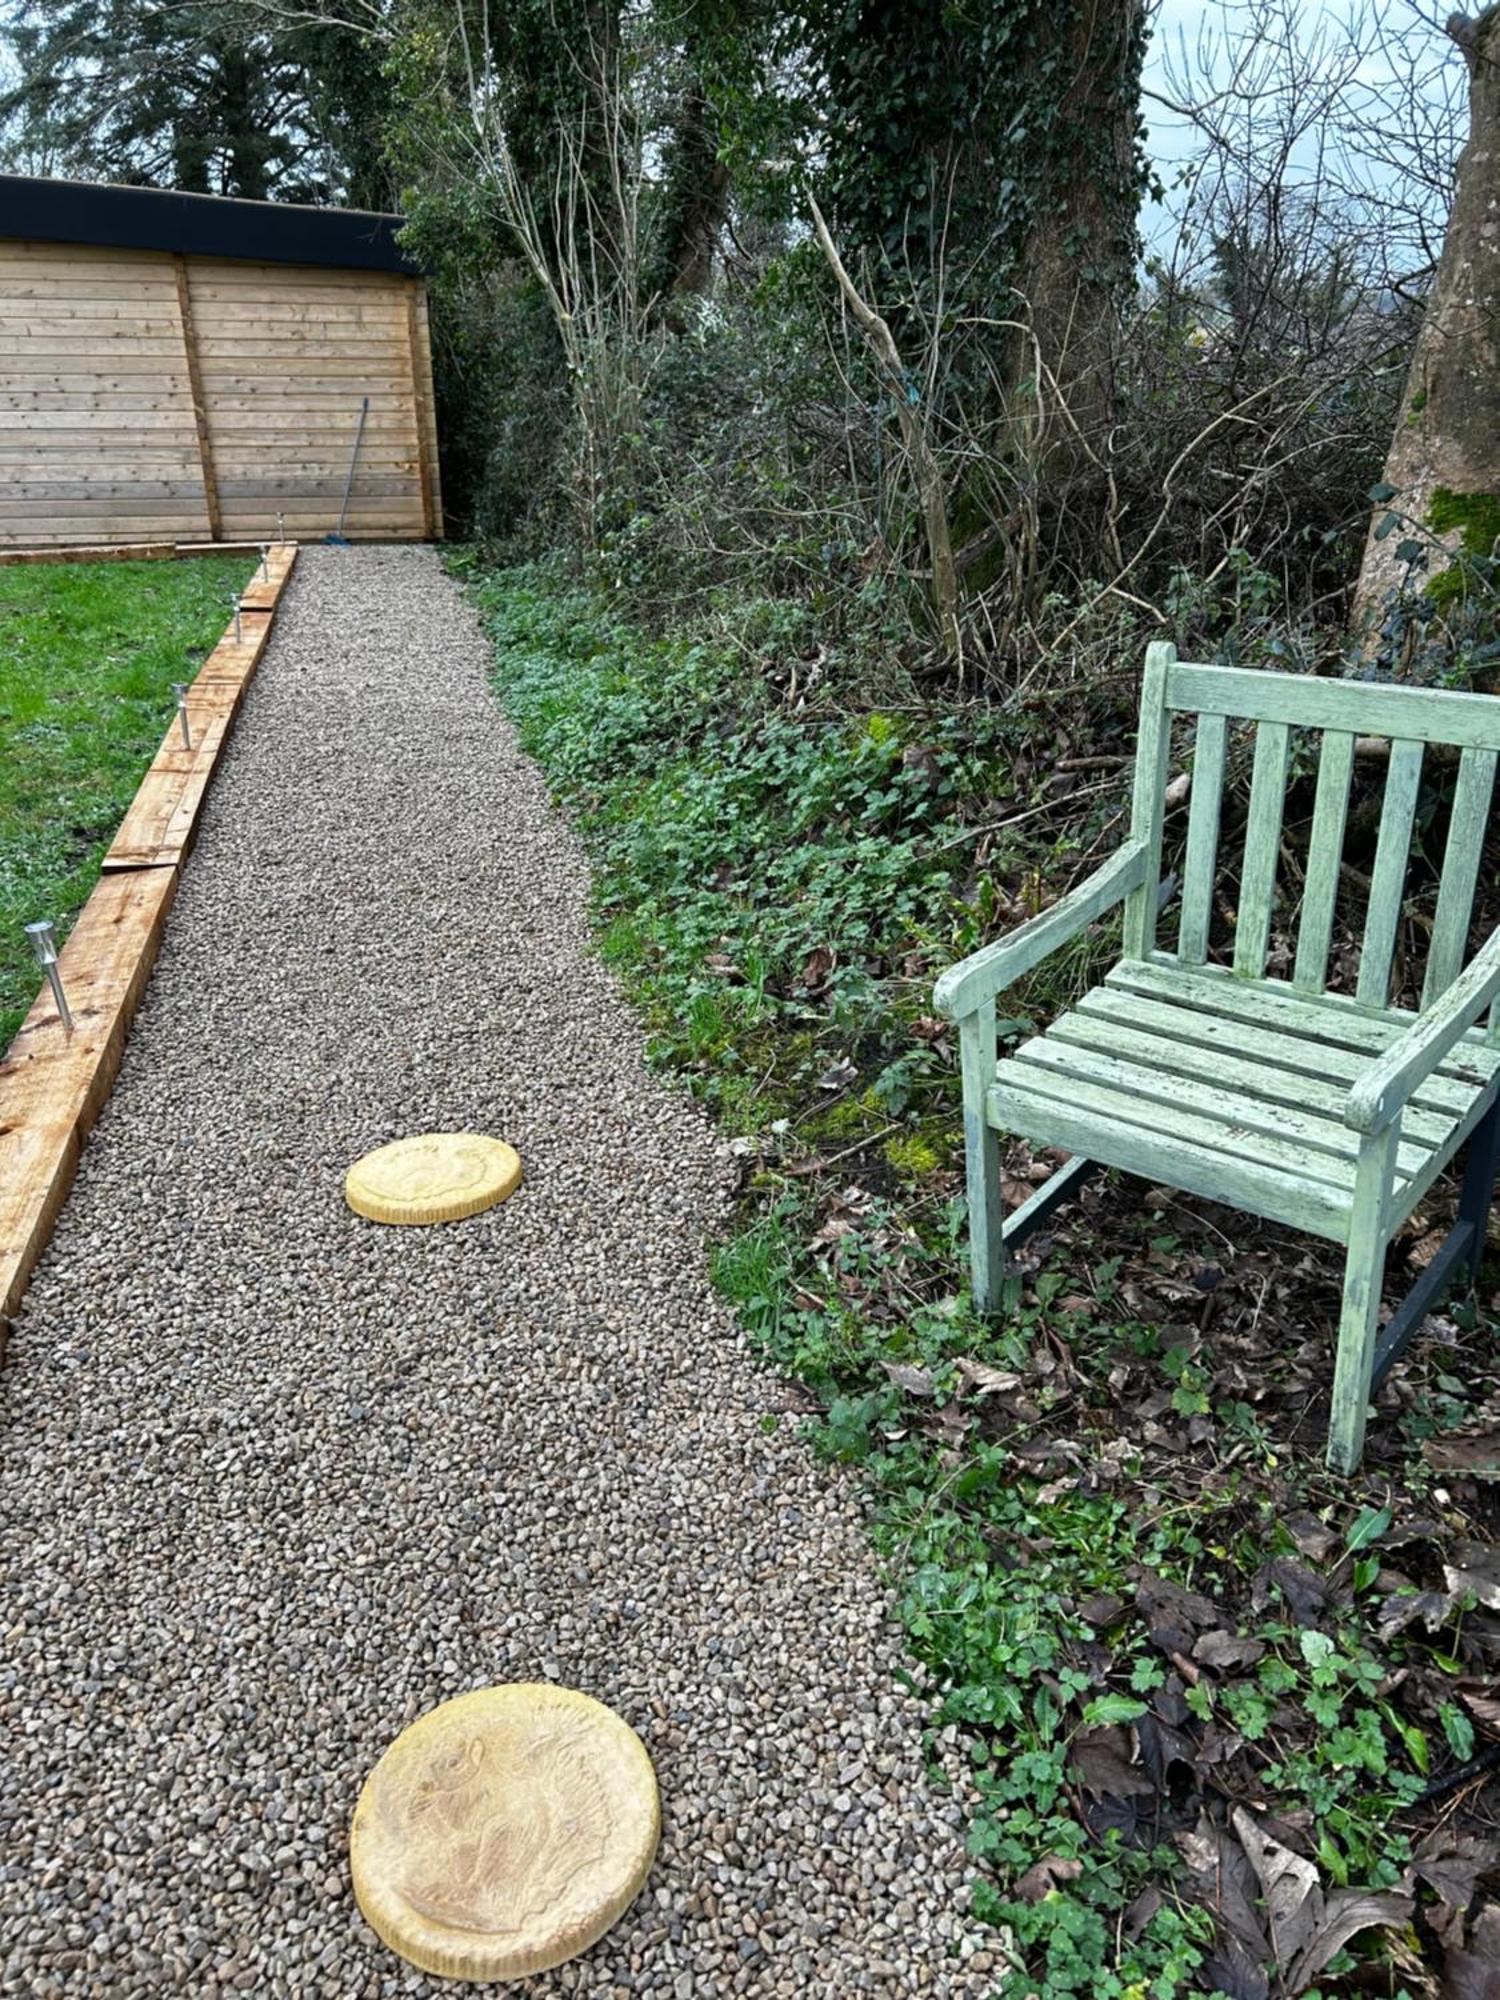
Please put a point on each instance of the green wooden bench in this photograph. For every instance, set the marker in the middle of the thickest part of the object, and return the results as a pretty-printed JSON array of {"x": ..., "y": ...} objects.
[{"x": 1328, "y": 1112}]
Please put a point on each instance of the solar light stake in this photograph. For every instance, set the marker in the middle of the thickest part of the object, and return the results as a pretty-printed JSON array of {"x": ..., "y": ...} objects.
[
  {"x": 179, "y": 688},
  {"x": 264, "y": 567},
  {"x": 280, "y": 529},
  {"x": 41, "y": 935},
  {"x": 237, "y": 635}
]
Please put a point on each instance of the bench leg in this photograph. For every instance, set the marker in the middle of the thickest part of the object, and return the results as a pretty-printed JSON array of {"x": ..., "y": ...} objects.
[
  {"x": 1480, "y": 1171},
  {"x": 1364, "y": 1270},
  {"x": 982, "y": 1161}
]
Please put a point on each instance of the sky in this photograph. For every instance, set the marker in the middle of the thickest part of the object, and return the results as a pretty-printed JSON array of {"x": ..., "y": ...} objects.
[{"x": 1402, "y": 80}]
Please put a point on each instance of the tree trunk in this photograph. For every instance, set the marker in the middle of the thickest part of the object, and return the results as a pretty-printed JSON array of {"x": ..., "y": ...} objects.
[
  {"x": 694, "y": 191},
  {"x": 1080, "y": 256},
  {"x": 1444, "y": 460}
]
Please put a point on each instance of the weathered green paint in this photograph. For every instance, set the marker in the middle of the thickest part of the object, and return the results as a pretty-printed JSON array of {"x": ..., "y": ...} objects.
[
  {"x": 1466, "y": 830},
  {"x": 1369, "y": 1232},
  {"x": 976, "y": 1033},
  {"x": 1382, "y": 1091},
  {"x": 1324, "y": 851},
  {"x": 1252, "y": 931},
  {"x": 1392, "y": 854},
  {"x": 1203, "y": 839},
  {"x": 1148, "y": 804},
  {"x": 1328, "y": 1112}
]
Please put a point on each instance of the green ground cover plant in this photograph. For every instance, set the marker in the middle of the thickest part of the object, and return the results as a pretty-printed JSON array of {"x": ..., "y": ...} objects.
[
  {"x": 1229, "y": 1720},
  {"x": 88, "y": 653}
]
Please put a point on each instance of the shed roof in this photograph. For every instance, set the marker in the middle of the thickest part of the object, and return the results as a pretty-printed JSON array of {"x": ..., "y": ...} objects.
[{"x": 205, "y": 225}]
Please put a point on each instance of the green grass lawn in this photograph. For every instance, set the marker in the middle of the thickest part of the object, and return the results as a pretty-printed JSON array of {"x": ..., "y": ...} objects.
[{"x": 88, "y": 654}]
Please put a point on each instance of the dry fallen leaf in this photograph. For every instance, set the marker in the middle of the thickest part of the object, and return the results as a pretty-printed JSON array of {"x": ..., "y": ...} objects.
[{"x": 1043, "y": 1876}]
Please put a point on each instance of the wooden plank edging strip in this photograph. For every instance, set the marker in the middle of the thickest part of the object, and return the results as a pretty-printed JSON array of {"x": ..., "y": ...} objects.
[
  {"x": 75, "y": 552},
  {"x": 52, "y": 1084},
  {"x": 262, "y": 592}
]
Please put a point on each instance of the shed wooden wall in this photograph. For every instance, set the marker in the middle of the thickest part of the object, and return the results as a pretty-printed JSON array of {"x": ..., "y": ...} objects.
[{"x": 151, "y": 397}]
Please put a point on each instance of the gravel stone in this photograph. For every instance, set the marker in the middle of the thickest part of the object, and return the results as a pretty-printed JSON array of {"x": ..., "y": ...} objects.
[{"x": 275, "y": 1480}]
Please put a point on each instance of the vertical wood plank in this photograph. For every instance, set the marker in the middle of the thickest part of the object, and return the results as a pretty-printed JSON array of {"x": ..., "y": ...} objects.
[
  {"x": 1203, "y": 838},
  {"x": 1388, "y": 882},
  {"x": 1148, "y": 802},
  {"x": 1465, "y": 850},
  {"x": 195, "y": 389},
  {"x": 1325, "y": 852},
  {"x": 1252, "y": 932},
  {"x": 416, "y": 348},
  {"x": 434, "y": 458},
  {"x": 1363, "y": 1271}
]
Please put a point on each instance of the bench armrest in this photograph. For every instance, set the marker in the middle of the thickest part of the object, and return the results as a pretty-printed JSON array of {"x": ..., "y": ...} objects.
[
  {"x": 1382, "y": 1089},
  {"x": 968, "y": 985}
]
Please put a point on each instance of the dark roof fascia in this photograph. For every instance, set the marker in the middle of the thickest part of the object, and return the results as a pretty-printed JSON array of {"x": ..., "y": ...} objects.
[{"x": 34, "y": 209}]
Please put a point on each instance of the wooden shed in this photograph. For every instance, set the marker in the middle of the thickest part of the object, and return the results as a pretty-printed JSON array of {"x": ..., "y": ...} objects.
[{"x": 187, "y": 368}]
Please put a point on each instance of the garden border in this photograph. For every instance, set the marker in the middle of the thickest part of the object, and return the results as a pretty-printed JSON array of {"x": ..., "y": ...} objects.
[
  {"x": 52, "y": 1084},
  {"x": 134, "y": 552}
]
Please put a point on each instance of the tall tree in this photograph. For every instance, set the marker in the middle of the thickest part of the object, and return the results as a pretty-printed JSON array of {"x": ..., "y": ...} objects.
[
  {"x": 991, "y": 153},
  {"x": 1443, "y": 468},
  {"x": 210, "y": 97}
]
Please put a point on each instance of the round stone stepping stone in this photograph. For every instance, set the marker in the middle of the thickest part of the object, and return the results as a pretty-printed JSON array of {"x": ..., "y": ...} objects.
[
  {"x": 504, "y": 1832},
  {"x": 433, "y": 1177}
]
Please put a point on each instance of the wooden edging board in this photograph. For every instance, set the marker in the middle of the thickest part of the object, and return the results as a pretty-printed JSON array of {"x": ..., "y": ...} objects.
[
  {"x": 53, "y": 1085},
  {"x": 129, "y": 552}
]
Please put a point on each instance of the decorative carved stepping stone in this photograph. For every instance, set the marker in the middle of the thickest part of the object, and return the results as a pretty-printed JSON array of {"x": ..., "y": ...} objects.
[
  {"x": 433, "y": 1177},
  {"x": 504, "y": 1832}
]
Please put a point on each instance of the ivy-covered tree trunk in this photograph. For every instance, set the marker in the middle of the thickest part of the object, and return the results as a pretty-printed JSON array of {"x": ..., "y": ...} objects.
[
  {"x": 690, "y": 209},
  {"x": 1079, "y": 255},
  {"x": 1443, "y": 468}
]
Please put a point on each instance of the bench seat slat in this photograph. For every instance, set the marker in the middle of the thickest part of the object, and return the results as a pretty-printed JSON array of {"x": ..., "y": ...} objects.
[
  {"x": 1117, "y": 1137},
  {"x": 1272, "y": 1004},
  {"x": 1276, "y": 1100},
  {"x": 1297, "y": 1140},
  {"x": 1287, "y": 1067}
]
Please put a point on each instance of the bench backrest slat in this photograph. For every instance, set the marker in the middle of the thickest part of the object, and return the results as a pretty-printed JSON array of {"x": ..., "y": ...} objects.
[
  {"x": 1203, "y": 838},
  {"x": 1369, "y": 708},
  {"x": 1148, "y": 802},
  {"x": 1455, "y": 903},
  {"x": 1252, "y": 931},
  {"x": 1392, "y": 852},
  {"x": 1338, "y": 712},
  {"x": 1324, "y": 856}
]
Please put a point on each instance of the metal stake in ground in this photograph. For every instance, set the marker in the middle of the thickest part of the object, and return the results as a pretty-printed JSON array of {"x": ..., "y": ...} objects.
[
  {"x": 179, "y": 688},
  {"x": 235, "y": 601},
  {"x": 280, "y": 530},
  {"x": 43, "y": 943},
  {"x": 265, "y": 568}
]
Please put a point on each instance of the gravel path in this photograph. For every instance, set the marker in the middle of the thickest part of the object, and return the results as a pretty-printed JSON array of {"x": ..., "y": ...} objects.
[{"x": 273, "y": 1480}]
